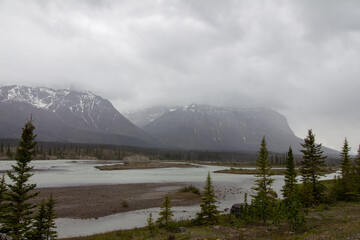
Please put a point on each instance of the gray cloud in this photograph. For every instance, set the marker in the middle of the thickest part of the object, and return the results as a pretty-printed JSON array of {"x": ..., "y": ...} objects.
[{"x": 300, "y": 57}]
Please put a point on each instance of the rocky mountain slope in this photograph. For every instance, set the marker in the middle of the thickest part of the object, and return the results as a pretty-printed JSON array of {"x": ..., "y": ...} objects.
[
  {"x": 218, "y": 128},
  {"x": 66, "y": 116}
]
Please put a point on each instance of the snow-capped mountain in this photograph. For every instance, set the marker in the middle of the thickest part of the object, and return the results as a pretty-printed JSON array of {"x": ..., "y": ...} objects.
[
  {"x": 217, "y": 128},
  {"x": 66, "y": 115}
]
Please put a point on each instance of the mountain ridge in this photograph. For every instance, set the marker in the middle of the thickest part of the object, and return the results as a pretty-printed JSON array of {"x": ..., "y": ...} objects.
[
  {"x": 205, "y": 127},
  {"x": 67, "y": 115}
]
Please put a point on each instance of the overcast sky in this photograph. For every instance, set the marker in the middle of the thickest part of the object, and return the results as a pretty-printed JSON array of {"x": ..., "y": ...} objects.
[{"x": 301, "y": 58}]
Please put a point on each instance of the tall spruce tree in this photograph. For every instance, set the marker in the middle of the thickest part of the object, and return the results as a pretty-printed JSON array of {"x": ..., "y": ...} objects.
[
  {"x": 292, "y": 205},
  {"x": 17, "y": 221},
  {"x": 263, "y": 201},
  {"x": 311, "y": 168},
  {"x": 346, "y": 167},
  {"x": 209, "y": 214},
  {"x": 165, "y": 214}
]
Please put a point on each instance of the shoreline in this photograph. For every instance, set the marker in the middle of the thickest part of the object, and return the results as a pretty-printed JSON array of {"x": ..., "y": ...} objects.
[{"x": 94, "y": 201}]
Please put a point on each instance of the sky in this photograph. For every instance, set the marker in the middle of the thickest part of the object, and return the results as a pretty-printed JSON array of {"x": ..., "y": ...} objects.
[{"x": 301, "y": 58}]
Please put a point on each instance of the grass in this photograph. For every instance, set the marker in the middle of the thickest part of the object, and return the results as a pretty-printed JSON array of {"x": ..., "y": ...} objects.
[{"x": 340, "y": 221}]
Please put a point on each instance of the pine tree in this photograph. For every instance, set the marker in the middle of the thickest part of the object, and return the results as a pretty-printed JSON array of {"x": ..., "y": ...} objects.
[
  {"x": 209, "y": 213},
  {"x": 2, "y": 148},
  {"x": 39, "y": 226},
  {"x": 291, "y": 203},
  {"x": 165, "y": 214},
  {"x": 50, "y": 232},
  {"x": 311, "y": 168},
  {"x": 17, "y": 221},
  {"x": 263, "y": 202},
  {"x": 346, "y": 168}
]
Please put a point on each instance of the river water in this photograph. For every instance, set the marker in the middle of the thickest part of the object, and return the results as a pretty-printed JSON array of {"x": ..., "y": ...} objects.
[{"x": 229, "y": 188}]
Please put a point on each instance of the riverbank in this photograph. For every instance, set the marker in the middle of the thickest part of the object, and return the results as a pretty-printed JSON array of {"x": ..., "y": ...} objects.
[
  {"x": 339, "y": 221},
  {"x": 102, "y": 200},
  {"x": 274, "y": 171}
]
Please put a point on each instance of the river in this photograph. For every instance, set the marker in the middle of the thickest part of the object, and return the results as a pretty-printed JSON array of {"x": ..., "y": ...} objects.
[{"x": 230, "y": 189}]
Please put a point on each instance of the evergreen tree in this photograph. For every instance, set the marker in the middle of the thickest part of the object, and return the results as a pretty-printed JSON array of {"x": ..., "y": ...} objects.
[
  {"x": 209, "y": 213},
  {"x": 291, "y": 203},
  {"x": 39, "y": 226},
  {"x": 151, "y": 225},
  {"x": 50, "y": 232},
  {"x": 263, "y": 202},
  {"x": 17, "y": 221},
  {"x": 346, "y": 167},
  {"x": 165, "y": 213},
  {"x": 311, "y": 168},
  {"x": 290, "y": 176},
  {"x": 2, "y": 148}
]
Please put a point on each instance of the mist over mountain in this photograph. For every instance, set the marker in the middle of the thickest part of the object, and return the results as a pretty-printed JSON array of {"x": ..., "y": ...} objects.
[
  {"x": 218, "y": 128},
  {"x": 66, "y": 116}
]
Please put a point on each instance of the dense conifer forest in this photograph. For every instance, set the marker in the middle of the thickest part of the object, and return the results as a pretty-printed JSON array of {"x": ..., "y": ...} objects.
[{"x": 55, "y": 150}]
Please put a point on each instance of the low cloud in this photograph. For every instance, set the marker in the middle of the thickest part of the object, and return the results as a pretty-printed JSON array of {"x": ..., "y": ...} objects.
[{"x": 300, "y": 58}]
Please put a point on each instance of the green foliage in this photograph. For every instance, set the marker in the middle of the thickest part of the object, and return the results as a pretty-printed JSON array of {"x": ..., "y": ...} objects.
[
  {"x": 346, "y": 168},
  {"x": 246, "y": 211},
  {"x": 291, "y": 205},
  {"x": 17, "y": 221},
  {"x": 356, "y": 171},
  {"x": 190, "y": 188},
  {"x": 50, "y": 232},
  {"x": 311, "y": 170},
  {"x": 290, "y": 185},
  {"x": 151, "y": 224},
  {"x": 165, "y": 214},
  {"x": 263, "y": 200},
  {"x": 345, "y": 161},
  {"x": 209, "y": 214},
  {"x": 39, "y": 225},
  {"x": 124, "y": 203}
]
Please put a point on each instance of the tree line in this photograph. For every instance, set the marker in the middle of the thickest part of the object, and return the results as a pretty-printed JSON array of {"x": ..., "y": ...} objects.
[{"x": 55, "y": 150}]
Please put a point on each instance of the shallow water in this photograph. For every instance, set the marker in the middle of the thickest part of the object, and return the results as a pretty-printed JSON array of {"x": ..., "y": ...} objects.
[{"x": 229, "y": 188}]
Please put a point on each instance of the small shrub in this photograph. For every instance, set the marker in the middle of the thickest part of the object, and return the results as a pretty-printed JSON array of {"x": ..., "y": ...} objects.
[
  {"x": 190, "y": 188},
  {"x": 124, "y": 203}
]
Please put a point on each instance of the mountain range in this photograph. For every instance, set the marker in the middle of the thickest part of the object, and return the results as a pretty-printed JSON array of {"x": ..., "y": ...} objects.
[
  {"x": 205, "y": 127},
  {"x": 66, "y": 116},
  {"x": 83, "y": 117}
]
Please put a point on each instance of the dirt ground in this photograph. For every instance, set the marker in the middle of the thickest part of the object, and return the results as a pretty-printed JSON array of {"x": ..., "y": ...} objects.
[{"x": 98, "y": 201}]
